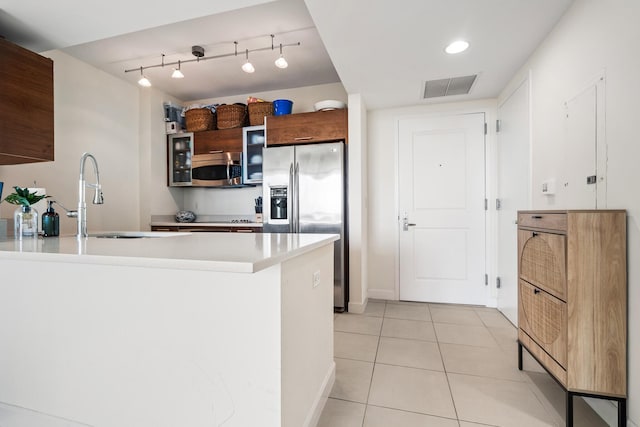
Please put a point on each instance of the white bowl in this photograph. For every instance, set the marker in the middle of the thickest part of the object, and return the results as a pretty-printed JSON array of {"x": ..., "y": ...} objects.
[{"x": 328, "y": 104}]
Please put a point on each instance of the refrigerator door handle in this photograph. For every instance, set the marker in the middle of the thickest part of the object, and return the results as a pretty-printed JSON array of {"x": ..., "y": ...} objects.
[
  {"x": 290, "y": 204},
  {"x": 297, "y": 197}
]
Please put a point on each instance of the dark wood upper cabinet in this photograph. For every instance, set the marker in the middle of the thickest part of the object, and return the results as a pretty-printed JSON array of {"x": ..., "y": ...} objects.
[
  {"x": 304, "y": 128},
  {"x": 26, "y": 105},
  {"x": 217, "y": 140}
]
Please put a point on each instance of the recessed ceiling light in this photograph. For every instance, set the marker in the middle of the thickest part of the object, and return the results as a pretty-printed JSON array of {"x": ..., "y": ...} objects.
[{"x": 457, "y": 47}]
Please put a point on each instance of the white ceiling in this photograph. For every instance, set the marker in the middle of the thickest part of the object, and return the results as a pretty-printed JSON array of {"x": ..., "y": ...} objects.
[{"x": 380, "y": 49}]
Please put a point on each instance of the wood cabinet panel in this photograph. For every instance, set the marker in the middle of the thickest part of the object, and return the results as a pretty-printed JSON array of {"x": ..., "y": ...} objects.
[
  {"x": 26, "y": 110},
  {"x": 598, "y": 289},
  {"x": 542, "y": 220},
  {"x": 543, "y": 357},
  {"x": 542, "y": 261},
  {"x": 217, "y": 140},
  {"x": 304, "y": 128},
  {"x": 589, "y": 248},
  {"x": 544, "y": 318}
]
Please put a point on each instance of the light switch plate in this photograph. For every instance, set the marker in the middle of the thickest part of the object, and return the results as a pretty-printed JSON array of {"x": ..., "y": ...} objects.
[
  {"x": 549, "y": 187},
  {"x": 316, "y": 279}
]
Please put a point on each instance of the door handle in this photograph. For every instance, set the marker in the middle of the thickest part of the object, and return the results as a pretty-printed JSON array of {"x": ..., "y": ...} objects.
[{"x": 406, "y": 224}]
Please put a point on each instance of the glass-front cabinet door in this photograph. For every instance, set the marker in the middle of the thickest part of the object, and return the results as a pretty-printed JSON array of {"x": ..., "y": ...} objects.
[
  {"x": 253, "y": 140},
  {"x": 180, "y": 154}
]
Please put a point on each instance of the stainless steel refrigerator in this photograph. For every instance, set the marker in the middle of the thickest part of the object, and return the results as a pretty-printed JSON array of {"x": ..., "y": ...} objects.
[{"x": 304, "y": 191}]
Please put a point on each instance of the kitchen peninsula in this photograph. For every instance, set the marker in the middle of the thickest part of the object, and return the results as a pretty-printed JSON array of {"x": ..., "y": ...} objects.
[{"x": 203, "y": 329}]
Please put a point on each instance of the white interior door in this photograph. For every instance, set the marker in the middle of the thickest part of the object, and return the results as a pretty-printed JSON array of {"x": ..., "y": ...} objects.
[
  {"x": 513, "y": 193},
  {"x": 441, "y": 194}
]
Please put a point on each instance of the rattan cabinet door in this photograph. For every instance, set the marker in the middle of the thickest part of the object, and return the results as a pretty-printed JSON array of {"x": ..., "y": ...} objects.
[
  {"x": 542, "y": 261},
  {"x": 544, "y": 318}
]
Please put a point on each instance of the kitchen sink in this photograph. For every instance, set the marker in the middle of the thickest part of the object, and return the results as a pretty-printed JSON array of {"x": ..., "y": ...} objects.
[{"x": 136, "y": 234}]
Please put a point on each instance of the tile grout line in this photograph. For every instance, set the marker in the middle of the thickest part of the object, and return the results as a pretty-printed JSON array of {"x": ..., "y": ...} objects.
[
  {"x": 446, "y": 374},
  {"x": 375, "y": 358}
]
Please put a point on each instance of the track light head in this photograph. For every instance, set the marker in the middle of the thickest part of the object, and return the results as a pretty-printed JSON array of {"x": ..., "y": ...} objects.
[
  {"x": 248, "y": 66},
  {"x": 177, "y": 73},
  {"x": 144, "y": 81}
]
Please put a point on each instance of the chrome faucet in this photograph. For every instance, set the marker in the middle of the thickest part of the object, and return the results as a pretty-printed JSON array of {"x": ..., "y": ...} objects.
[{"x": 97, "y": 197}]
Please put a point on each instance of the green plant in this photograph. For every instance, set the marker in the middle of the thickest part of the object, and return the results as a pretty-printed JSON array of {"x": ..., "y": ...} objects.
[{"x": 23, "y": 197}]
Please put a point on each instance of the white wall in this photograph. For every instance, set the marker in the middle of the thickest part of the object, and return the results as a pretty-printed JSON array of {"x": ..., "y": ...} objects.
[
  {"x": 357, "y": 204},
  {"x": 155, "y": 197},
  {"x": 97, "y": 113},
  {"x": 594, "y": 38},
  {"x": 383, "y": 166}
]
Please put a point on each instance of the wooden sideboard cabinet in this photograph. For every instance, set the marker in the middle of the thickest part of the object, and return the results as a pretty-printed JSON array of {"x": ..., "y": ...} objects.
[
  {"x": 26, "y": 110},
  {"x": 306, "y": 128},
  {"x": 572, "y": 300}
]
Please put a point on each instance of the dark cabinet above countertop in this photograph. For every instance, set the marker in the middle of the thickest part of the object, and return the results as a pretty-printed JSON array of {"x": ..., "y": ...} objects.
[
  {"x": 301, "y": 128},
  {"x": 26, "y": 110},
  {"x": 217, "y": 140},
  {"x": 307, "y": 128}
]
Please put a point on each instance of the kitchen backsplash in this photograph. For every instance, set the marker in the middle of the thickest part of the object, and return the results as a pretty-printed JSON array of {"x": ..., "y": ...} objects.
[{"x": 219, "y": 201}]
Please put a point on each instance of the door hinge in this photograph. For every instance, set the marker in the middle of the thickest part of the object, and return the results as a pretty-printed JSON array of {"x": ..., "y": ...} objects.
[
  {"x": 486, "y": 204},
  {"x": 485, "y": 128},
  {"x": 498, "y": 285},
  {"x": 486, "y": 279},
  {"x": 498, "y": 126},
  {"x": 591, "y": 179},
  {"x": 498, "y": 204}
]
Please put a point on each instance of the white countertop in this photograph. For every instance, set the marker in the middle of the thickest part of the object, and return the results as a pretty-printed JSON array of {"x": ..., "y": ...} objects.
[{"x": 225, "y": 252}]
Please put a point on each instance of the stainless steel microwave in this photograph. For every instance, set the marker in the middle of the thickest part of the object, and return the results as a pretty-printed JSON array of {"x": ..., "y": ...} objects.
[{"x": 214, "y": 169}]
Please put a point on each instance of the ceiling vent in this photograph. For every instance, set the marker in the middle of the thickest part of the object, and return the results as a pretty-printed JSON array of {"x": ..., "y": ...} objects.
[{"x": 448, "y": 87}]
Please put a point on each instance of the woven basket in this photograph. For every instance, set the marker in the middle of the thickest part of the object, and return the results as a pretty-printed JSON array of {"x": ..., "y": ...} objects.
[
  {"x": 199, "y": 119},
  {"x": 231, "y": 116},
  {"x": 258, "y": 111}
]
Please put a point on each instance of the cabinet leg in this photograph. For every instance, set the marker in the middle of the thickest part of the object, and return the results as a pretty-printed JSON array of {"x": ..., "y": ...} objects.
[
  {"x": 569, "y": 409},
  {"x": 622, "y": 413},
  {"x": 519, "y": 356}
]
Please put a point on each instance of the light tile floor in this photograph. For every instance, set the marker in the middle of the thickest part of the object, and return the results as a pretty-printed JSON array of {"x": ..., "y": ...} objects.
[{"x": 416, "y": 364}]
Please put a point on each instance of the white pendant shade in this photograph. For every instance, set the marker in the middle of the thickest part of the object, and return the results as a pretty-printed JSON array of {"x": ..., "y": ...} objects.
[
  {"x": 281, "y": 62},
  {"x": 248, "y": 67},
  {"x": 144, "y": 82}
]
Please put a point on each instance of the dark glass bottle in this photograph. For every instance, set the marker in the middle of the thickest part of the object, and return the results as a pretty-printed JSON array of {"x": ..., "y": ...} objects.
[{"x": 50, "y": 222}]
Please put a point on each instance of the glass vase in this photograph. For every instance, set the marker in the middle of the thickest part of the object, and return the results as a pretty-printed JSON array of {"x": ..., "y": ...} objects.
[{"x": 25, "y": 220}]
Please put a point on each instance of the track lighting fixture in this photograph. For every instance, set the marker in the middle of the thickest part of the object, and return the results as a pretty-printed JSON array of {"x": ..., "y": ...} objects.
[
  {"x": 177, "y": 74},
  {"x": 248, "y": 67},
  {"x": 198, "y": 52},
  {"x": 143, "y": 80},
  {"x": 280, "y": 62}
]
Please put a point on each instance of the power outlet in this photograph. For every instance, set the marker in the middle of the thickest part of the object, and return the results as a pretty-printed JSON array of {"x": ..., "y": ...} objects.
[{"x": 316, "y": 279}]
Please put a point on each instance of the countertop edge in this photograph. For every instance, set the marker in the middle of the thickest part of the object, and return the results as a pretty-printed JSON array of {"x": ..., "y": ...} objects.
[{"x": 227, "y": 266}]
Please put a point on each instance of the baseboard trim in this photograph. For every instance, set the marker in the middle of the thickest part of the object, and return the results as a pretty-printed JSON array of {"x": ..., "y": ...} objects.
[
  {"x": 357, "y": 307},
  {"x": 321, "y": 398},
  {"x": 385, "y": 294}
]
